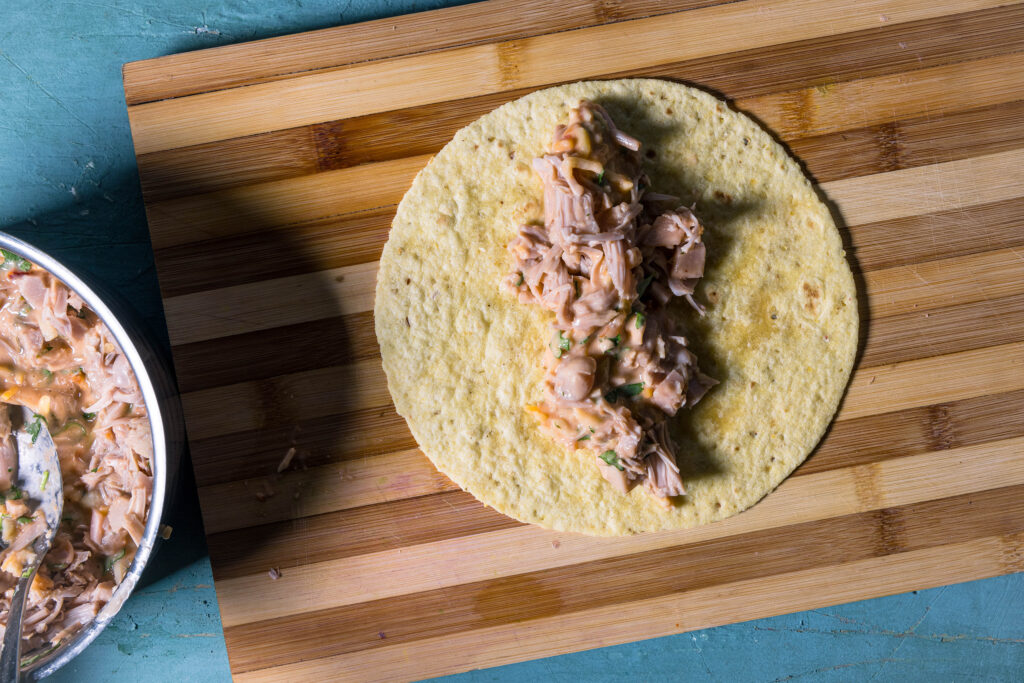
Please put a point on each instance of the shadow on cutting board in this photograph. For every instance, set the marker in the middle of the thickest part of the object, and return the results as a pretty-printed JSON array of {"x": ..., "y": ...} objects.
[{"x": 297, "y": 371}]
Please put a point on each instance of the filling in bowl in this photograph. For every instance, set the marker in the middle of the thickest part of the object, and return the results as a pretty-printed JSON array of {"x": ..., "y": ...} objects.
[{"x": 60, "y": 360}]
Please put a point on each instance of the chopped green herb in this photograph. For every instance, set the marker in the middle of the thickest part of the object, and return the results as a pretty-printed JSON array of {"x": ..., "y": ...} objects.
[
  {"x": 89, "y": 416},
  {"x": 612, "y": 458},
  {"x": 644, "y": 284},
  {"x": 585, "y": 437},
  {"x": 94, "y": 468},
  {"x": 26, "y": 572},
  {"x": 631, "y": 389},
  {"x": 46, "y": 349},
  {"x": 624, "y": 390},
  {"x": 12, "y": 260},
  {"x": 109, "y": 562},
  {"x": 640, "y": 320},
  {"x": 562, "y": 344},
  {"x": 14, "y": 493},
  {"x": 585, "y": 339},
  {"x": 47, "y": 374},
  {"x": 521, "y": 280},
  {"x": 46, "y": 478},
  {"x": 600, "y": 178},
  {"x": 33, "y": 658},
  {"x": 24, "y": 520},
  {"x": 35, "y": 426}
]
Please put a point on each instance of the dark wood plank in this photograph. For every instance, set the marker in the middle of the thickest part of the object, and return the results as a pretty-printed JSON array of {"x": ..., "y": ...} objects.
[
  {"x": 373, "y": 528},
  {"x": 424, "y": 130},
  {"x": 625, "y": 579}
]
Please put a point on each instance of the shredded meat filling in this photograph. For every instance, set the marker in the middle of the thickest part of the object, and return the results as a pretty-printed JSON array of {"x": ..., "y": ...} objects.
[
  {"x": 607, "y": 261},
  {"x": 59, "y": 359}
]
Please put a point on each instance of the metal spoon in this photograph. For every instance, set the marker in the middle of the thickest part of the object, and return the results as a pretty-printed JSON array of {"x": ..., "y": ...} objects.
[{"x": 38, "y": 477}]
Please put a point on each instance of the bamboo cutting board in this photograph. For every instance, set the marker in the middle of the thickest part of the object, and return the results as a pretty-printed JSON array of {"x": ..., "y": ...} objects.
[{"x": 271, "y": 171}]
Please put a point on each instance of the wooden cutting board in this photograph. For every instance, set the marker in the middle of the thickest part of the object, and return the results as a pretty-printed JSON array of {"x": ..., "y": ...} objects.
[{"x": 271, "y": 171}]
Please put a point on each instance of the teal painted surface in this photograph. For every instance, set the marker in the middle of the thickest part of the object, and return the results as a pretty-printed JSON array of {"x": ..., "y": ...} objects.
[{"x": 68, "y": 182}]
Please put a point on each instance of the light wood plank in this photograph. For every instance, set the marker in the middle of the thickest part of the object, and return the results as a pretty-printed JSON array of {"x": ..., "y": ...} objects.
[
  {"x": 264, "y": 206},
  {"x": 283, "y": 401},
  {"x": 965, "y": 279},
  {"x": 257, "y": 208},
  {"x": 926, "y": 381},
  {"x": 903, "y": 481},
  {"x": 464, "y": 72},
  {"x": 884, "y": 99},
  {"x": 692, "y": 610},
  {"x": 926, "y": 189},
  {"x": 949, "y": 186},
  {"x": 823, "y": 61},
  {"x": 271, "y": 303},
  {"x": 233, "y": 65},
  {"x": 328, "y": 488},
  {"x": 849, "y": 442},
  {"x": 872, "y": 391}
]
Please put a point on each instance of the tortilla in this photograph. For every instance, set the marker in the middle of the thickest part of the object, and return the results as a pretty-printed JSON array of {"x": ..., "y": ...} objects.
[{"x": 463, "y": 358}]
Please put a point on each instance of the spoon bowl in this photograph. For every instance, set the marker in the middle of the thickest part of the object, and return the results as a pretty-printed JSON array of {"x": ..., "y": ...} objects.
[{"x": 39, "y": 480}]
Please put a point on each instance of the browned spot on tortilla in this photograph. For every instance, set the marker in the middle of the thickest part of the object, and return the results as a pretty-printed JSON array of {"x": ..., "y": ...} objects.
[{"x": 812, "y": 295}]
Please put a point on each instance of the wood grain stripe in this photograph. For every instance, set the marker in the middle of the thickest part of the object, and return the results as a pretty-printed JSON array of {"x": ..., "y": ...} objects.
[
  {"x": 673, "y": 613},
  {"x": 909, "y": 143},
  {"x": 950, "y": 186},
  {"x": 271, "y": 303},
  {"x": 275, "y": 252},
  {"x": 945, "y": 330},
  {"x": 438, "y": 517},
  {"x": 311, "y": 394},
  {"x": 348, "y": 291},
  {"x": 872, "y": 391},
  {"x": 922, "y": 382},
  {"x": 338, "y": 486},
  {"x": 939, "y": 235},
  {"x": 273, "y": 58},
  {"x": 324, "y": 440},
  {"x": 313, "y": 246},
  {"x": 916, "y": 240},
  {"x": 939, "y": 187},
  {"x": 882, "y": 99},
  {"x": 884, "y": 50},
  {"x": 259, "y": 207},
  {"x": 458, "y": 73},
  {"x": 256, "y": 208},
  {"x": 966, "y": 279},
  {"x": 318, "y": 441},
  {"x": 468, "y": 604}
]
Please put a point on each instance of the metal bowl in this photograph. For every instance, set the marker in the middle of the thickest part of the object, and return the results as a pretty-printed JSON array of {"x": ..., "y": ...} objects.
[{"x": 156, "y": 380}]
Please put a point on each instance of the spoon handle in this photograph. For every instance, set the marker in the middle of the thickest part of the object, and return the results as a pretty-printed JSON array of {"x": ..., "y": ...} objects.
[{"x": 10, "y": 655}]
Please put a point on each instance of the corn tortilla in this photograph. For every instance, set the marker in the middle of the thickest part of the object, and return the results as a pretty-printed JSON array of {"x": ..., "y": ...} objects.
[{"x": 463, "y": 358}]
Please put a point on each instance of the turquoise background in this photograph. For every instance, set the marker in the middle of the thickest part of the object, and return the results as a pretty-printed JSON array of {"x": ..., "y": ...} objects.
[{"x": 68, "y": 183}]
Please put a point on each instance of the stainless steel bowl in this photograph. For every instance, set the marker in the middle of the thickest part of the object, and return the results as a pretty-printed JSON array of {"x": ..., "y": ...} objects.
[{"x": 156, "y": 380}]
